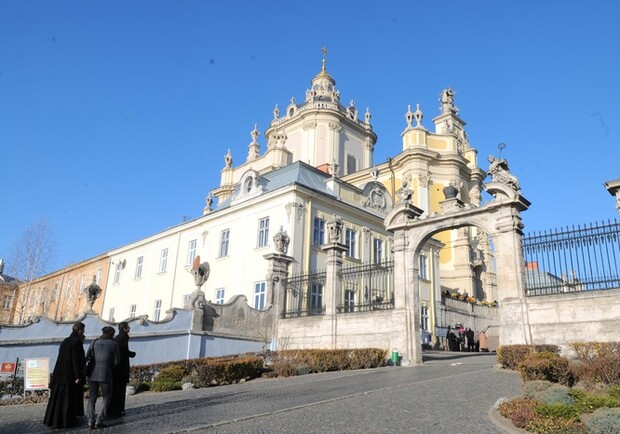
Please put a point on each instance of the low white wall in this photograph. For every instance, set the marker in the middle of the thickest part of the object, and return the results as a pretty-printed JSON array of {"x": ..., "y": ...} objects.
[{"x": 589, "y": 316}]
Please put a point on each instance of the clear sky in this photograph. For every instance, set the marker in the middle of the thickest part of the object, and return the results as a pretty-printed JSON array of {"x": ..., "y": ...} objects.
[{"x": 115, "y": 116}]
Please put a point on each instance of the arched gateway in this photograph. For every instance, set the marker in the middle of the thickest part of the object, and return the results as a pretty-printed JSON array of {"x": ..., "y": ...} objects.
[{"x": 500, "y": 219}]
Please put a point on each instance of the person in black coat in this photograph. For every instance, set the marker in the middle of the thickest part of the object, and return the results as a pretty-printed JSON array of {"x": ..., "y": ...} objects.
[
  {"x": 120, "y": 374},
  {"x": 66, "y": 400},
  {"x": 104, "y": 351}
]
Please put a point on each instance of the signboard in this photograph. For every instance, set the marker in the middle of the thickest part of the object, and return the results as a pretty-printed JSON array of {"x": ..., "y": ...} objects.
[
  {"x": 8, "y": 368},
  {"x": 36, "y": 374}
]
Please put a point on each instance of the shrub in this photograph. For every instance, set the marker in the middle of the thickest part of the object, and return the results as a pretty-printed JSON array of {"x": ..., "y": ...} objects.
[
  {"x": 597, "y": 362},
  {"x": 614, "y": 391},
  {"x": 551, "y": 425},
  {"x": 556, "y": 394},
  {"x": 604, "y": 421},
  {"x": 545, "y": 366},
  {"x": 532, "y": 388},
  {"x": 170, "y": 374},
  {"x": 589, "y": 403},
  {"x": 165, "y": 386},
  {"x": 519, "y": 410},
  {"x": 564, "y": 411},
  {"x": 509, "y": 356}
]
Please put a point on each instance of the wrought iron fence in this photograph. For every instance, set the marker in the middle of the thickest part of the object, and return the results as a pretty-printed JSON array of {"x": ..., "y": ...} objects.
[
  {"x": 304, "y": 295},
  {"x": 367, "y": 287},
  {"x": 571, "y": 260}
]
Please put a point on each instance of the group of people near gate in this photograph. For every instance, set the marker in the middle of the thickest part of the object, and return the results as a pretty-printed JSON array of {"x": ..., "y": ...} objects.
[
  {"x": 465, "y": 339},
  {"x": 104, "y": 368}
]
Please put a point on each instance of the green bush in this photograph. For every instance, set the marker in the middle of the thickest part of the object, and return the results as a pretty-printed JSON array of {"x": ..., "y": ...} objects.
[
  {"x": 509, "y": 356},
  {"x": 532, "y": 388},
  {"x": 172, "y": 373},
  {"x": 564, "y": 411},
  {"x": 545, "y": 366},
  {"x": 165, "y": 386},
  {"x": 556, "y": 394},
  {"x": 589, "y": 403},
  {"x": 614, "y": 391},
  {"x": 552, "y": 425},
  {"x": 604, "y": 421}
]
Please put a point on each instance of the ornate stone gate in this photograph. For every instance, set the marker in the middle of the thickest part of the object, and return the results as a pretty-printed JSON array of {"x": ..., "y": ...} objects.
[{"x": 500, "y": 219}]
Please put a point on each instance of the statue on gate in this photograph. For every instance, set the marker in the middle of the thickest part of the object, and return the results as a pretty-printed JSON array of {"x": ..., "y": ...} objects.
[{"x": 499, "y": 172}]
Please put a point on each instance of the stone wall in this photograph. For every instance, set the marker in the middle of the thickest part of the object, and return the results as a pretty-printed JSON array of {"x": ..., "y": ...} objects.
[{"x": 574, "y": 317}]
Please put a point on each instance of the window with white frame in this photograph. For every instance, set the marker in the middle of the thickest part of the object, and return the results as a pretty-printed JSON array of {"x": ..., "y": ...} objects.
[
  {"x": 139, "y": 262},
  {"x": 219, "y": 296},
  {"x": 224, "y": 242},
  {"x": 163, "y": 261},
  {"x": 132, "y": 311},
  {"x": 423, "y": 267},
  {"x": 263, "y": 232},
  {"x": 259, "y": 295},
  {"x": 191, "y": 252},
  {"x": 98, "y": 277},
  {"x": 111, "y": 315},
  {"x": 68, "y": 288},
  {"x": 424, "y": 318},
  {"x": 7, "y": 301},
  {"x": 318, "y": 233},
  {"x": 82, "y": 282},
  {"x": 349, "y": 300},
  {"x": 316, "y": 298},
  {"x": 117, "y": 273},
  {"x": 377, "y": 250},
  {"x": 157, "y": 310},
  {"x": 350, "y": 239}
]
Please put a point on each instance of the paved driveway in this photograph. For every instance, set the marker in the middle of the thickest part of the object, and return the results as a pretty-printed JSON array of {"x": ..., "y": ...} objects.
[{"x": 449, "y": 393}]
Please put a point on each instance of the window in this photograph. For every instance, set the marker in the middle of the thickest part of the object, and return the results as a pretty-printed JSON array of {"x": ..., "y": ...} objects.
[
  {"x": 318, "y": 235},
  {"x": 423, "y": 267},
  {"x": 7, "y": 301},
  {"x": 377, "y": 250},
  {"x": 68, "y": 288},
  {"x": 224, "y": 240},
  {"x": 139, "y": 262},
  {"x": 111, "y": 315},
  {"x": 191, "y": 252},
  {"x": 351, "y": 242},
  {"x": 132, "y": 311},
  {"x": 117, "y": 272},
  {"x": 263, "y": 232},
  {"x": 351, "y": 164},
  {"x": 163, "y": 261},
  {"x": 424, "y": 318},
  {"x": 259, "y": 295},
  {"x": 98, "y": 278},
  {"x": 316, "y": 298},
  {"x": 349, "y": 300},
  {"x": 219, "y": 296},
  {"x": 82, "y": 280},
  {"x": 156, "y": 310}
]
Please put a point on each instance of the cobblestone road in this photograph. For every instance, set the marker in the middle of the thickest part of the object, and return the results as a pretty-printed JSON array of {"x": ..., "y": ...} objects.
[{"x": 449, "y": 393}]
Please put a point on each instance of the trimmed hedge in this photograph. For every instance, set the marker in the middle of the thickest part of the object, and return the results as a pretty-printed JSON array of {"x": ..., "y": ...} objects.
[{"x": 509, "y": 356}]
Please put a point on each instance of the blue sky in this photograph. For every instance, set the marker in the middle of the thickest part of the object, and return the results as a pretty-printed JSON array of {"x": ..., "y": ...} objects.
[{"x": 115, "y": 116}]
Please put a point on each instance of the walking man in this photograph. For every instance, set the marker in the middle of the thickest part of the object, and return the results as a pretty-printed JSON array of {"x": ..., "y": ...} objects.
[
  {"x": 66, "y": 400},
  {"x": 105, "y": 352},
  {"x": 120, "y": 373}
]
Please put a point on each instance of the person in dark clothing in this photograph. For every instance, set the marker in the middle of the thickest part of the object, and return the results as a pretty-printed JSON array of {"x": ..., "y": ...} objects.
[
  {"x": 471, "y": 343},
  {"x": 120, "y": 373},
  {"x": 106, "y": 355},
  {"x": 66, "y": 401}
]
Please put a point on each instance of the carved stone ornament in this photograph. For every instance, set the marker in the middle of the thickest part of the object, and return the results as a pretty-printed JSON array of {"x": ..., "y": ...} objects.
[
  {"x": 201, "y": 274},
  {"x": 334, "y": 228},
  {"x": 424, "y": 180},
  {"x": 500, "y": 173},
  {"x": 475, "y": 196},
  {"x": 404, "y": 193},
  {"x": 93, "y": 292},
  {"x": 376, "y": 199},
  {"x": 281, "y": 241}
]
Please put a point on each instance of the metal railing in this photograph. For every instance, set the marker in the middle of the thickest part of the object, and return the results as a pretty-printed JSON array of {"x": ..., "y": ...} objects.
[
  {"x": 573, "y": 259},
  {"x": 304, "y": 295},
  {"x": 367, "y": 287}
]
